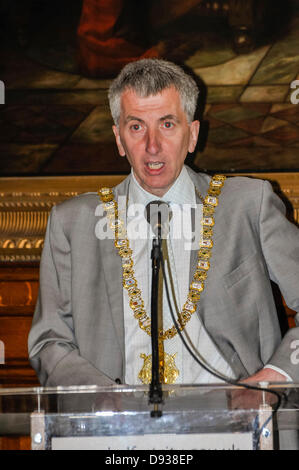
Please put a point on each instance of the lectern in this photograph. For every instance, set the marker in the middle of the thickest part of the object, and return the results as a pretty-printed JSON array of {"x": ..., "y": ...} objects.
[{"x": 119, "y": 417}]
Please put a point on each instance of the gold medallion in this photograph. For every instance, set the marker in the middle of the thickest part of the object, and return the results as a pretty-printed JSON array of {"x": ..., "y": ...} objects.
[{"x": 171, "y": 371}]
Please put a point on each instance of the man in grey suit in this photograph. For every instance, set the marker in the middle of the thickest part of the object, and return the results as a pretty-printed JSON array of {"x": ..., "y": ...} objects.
[{"x": 91, "y": 324}]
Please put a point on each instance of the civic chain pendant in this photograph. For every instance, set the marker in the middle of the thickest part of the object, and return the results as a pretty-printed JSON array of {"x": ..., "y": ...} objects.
[{"x": 170, "y": 374}]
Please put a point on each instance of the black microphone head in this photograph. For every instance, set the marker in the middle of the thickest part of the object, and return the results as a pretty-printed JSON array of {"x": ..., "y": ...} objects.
[{"x": 158, "y": 214}]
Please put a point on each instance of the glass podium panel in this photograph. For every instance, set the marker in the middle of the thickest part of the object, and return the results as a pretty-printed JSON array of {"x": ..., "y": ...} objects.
[{"x": 121, "y": 418}]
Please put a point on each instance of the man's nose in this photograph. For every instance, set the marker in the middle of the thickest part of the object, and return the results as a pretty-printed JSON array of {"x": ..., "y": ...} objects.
[{"x": 153, "y": 143}]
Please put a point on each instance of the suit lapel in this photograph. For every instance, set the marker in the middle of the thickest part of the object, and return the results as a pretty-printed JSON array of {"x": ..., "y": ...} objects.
[
  {"x": 201, "y": 183},
  {"x": 113, "y": 275}
]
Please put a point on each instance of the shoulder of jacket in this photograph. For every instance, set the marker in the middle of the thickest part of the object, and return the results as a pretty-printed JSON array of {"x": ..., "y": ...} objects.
[
  {"x": 76, "y": 208},
  {"x": 90, "y": 199},
  {"x": 231, "y": 180},
  {"x": 244, "y": 183}
]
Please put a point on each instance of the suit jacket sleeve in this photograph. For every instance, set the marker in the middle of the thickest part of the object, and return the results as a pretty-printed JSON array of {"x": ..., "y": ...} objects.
[
  {"x": 280, "y": 244},
  {"x": 53, "y": 351}
]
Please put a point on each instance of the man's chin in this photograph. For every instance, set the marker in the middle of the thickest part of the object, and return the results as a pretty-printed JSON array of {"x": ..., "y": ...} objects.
[{"x": 157, "y": 188}]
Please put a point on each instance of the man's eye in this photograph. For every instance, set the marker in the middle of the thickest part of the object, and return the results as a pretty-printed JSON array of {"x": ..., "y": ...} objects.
[
  {"x": 135, "y": 127},
  {"x": 168, "y": 124}
]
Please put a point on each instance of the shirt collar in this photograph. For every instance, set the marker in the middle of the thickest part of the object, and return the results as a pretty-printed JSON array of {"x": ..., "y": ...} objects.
[{"x": 181, "y": 192}]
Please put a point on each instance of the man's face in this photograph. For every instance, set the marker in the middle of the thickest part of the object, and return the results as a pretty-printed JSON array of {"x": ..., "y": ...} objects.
[{"x": 155, "y": 136}]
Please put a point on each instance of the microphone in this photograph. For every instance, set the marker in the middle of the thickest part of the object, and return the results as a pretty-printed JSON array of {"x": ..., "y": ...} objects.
[{"x": 158, "y": 214}]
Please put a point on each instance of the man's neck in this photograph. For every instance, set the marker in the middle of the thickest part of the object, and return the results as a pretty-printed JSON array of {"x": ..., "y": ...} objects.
[{"x": 180, "y": 192}]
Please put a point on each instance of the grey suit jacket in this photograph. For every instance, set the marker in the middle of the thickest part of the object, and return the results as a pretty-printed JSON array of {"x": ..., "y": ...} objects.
[{"x": 77, "y": 334}]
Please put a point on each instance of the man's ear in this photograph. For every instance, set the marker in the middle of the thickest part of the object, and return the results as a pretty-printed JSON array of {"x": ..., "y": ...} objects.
[
  {"x": 194, "y": 131},
  {"x": 121, "y": 150}
]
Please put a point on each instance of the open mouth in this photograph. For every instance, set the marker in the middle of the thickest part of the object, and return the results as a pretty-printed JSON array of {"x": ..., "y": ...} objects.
[{"x": 155, "y": 165}]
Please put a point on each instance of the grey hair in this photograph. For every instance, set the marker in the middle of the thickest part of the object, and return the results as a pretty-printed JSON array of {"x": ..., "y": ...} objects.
[{"x": 149, "y": 77}]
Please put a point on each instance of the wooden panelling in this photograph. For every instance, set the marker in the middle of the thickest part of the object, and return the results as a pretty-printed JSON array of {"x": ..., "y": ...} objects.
[
  {"x": 290, "y": 315},
  {"x": 15, "y": 443},
  {"x": 18, "y": 294},
  {"x": 13, "y": 330}
]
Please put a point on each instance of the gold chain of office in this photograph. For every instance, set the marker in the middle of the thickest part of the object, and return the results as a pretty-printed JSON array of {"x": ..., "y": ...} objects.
[{"x": 197, "y": 285}]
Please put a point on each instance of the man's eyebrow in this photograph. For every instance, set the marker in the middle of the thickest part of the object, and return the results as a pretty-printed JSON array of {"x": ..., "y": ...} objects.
[
  {"x": 171, "y": 117},
  {"x": 133, "y": 118}
]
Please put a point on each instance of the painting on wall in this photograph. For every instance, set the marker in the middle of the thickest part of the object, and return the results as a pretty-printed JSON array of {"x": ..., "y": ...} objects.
[{"x": 58, "y": 59}]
